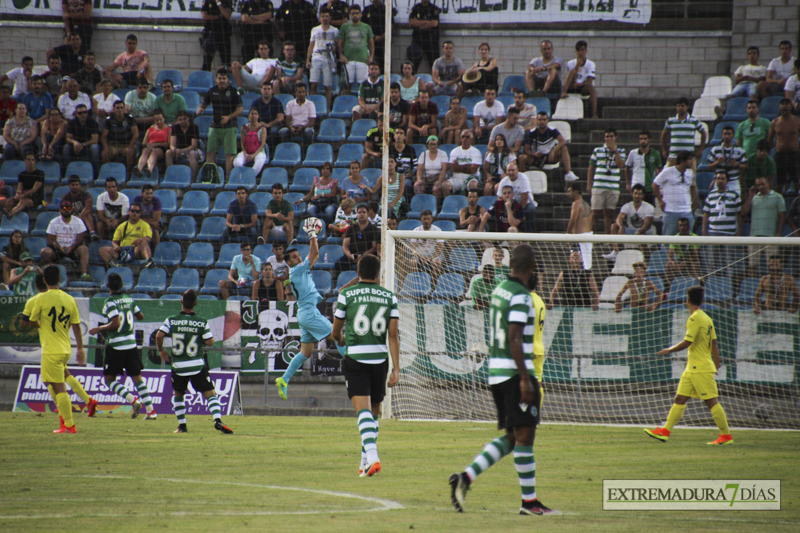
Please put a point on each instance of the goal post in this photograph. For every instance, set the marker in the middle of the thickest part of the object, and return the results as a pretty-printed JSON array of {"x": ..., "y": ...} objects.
[{"x": 600, "y": 365}]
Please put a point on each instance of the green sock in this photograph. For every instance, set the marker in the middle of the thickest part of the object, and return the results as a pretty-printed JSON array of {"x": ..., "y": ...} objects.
[{"x": 492, "y": 453}]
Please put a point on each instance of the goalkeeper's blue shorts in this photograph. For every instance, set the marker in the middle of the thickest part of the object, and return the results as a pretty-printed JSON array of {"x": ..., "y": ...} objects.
[{"x": 313, "y": 326}]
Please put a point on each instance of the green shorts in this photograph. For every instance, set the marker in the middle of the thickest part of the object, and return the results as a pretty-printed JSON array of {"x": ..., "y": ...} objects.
[{"x": 224, "y": 137}]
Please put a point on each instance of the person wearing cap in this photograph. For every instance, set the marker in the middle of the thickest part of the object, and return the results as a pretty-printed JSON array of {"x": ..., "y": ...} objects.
[
  {"x": 30, "y": 189},
  {"x": 431, "y": 169},
  {"x": 65, "y": 239},
  {"x": 81, "y": 203},
  {"x": 640, "y": 290},
  {"x": 131, "y": 241},
  {"x": 22, "y": 278}
]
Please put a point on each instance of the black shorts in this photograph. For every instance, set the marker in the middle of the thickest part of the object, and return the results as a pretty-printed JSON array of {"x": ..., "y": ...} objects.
[
  {"x": 131, "y": 77},
  {"x": 506, "y": 399},
  {"x": 365, "y": 380},
  {"x": 200, "y": 381},
  {"x": 59, "y": 255},
  {"x": 538, "y": 83},
  {"x": 118, "y": 362},
  {"x": 538, "y": 162},
  {"x": 787, "y": 167}
]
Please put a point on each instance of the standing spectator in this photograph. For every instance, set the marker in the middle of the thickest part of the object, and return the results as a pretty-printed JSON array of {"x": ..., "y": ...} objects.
[
  {"x": 603, "y": 180},
  {"x": 635, "y": 218},
  {"x": 469, "y": 217},
  {"x": 268, "y": 288},
  {"x": 65, "y": 239},
  {"x": 487, "y": 114},
  {"x": 777, "y": 288},
  {"x": 103, "y": 102},
  {"x": 511, "y": 130},
  {"x": 141, "y": 102},
  {"x": 410, "y": 85},
  {"x": 242, "y": 217},
  {"x": 90, "y": 75},
  {"x": 154, "y": 145},
  {"x": 151, "y": 208},
  {"x": 752, "y": 130},
  {"x": 682, "y": 259},
  {"x": 680, "y": 132},
  {"x": 321, "y": 55},
  {"x": 120, "y": 133},
  {"x": 642, "y": 166},
  {"x": 135, "y": 64},
  {"x": 761, "y": 165},
  {"x": 53, "y": 135},
  {"x": 373, "y": 146},
  {"x": 131, "y": 241},
  {"x": 355, "y": 186},
  {"x": 747, "y": 77},
  {"x": 580, "y": 77},
  {"x": 465, "y": 165},
  {"x": 792, "y": 87},
  {"x": 112, "y": 209},
  {"x": 256, "y": 26},
  {"x": 184, "y": 144},
  {"x": 270, "y": 112},
  {"x": 20, "y": 134},
  {"x": 729, "y": 159},
  {"x": 370, "y": 95},
  {"x": 301, "y": 114},
  {"x": 30, "y": 189},
  {"x": 21, "y": 76},
  {"x": 254, "y": 137},
  {"x": 81, "y": 204},
  {"x": 77, "y": 16},
  {"x": 11, "y": 255},
  {"x": 83, "y": 139},
  {"x": 227, "y": 106},
  {"x": 522, "y": 194},
  {"x": 676, "y": 192},
  {"x": 767, "y": 210},
  {"x": 399, "y": 108},
  {"x": 70, "y": 54},
  {"x": 290, "y": 69},
  {"x": 361, "y": 238},
  {"x": 783, "y": 133},
  {"x": 337, "y": 9},
  {"x": 322, "y": 196},
  {"x": 778, "y": 71},
  {"x": 53, "y": 77},
  {"x": 37, "y": 100},
  {"x": 487, "y": 68},
  {"x": 256, "y": 71},
  {"x": 406, "y": 158},
  {"x": 495, "y": 164},
  {"x": 455, "y": 122},
  {"x": 356, "y": 45},
  {"x": 424, "y": 22},
  {"x": 243, "y": 273},
  {"x": 544, "y": 73},
  {"x": 279, "y": 217},
  {"x": 170, "y": 102},
  {"x": 639, "y": 289},
  {"x": 527, "y": 112},
  {"x": 217, "y": 31},
  {"x": 422, "y": 118},
  {"x": 394, "y": 188},
  {"x": 374, "y": 16},
  {"x": 294, "y": 21},
  {"x": 544, "y": 145},
  {"x": 580, "y": 222},
  {"x": 506, "y": 214},
  {"x": 70, "y": 100},
  {"x": 427, "y": 254},
  {"x": 722, "y": 217},
  {"x": 431, "y": 169},
  {"x": 575, "y": 287},
  {"x": 447, "y": 73}
]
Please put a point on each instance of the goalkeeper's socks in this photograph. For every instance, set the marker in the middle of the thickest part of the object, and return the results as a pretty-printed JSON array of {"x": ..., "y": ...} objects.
[
  {"x": 366, "y": 426},
  {"x": 214, "y": 407},
  {"x": 296, "y": 363},
  {"x": 144, "y": 395},
  {"x": 721, "y": 419},
  {"x": 492, "y": 453},
  {"x": 76, "y": 386},
  {"x": 179, "y": 406},
  {"x": 675, "y": 414},
  {"x": 120, "y": 390},
  {"x": 526, "y": 471}
]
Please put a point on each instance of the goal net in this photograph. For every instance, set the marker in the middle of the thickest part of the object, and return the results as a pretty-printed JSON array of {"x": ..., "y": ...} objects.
[{"x": 601, "y": 364}]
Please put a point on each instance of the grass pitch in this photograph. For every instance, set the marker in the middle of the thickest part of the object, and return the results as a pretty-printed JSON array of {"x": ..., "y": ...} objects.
[{"x": 300, "y": 474}]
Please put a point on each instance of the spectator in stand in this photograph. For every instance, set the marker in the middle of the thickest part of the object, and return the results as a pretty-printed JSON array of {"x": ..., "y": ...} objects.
[
  {"x": 410, "y": 85},
  {"x": 747, "y": 77},
  {"x": 53, "y": 135},
  {"x": 257, "y": 71},
  {"x": 184, "y": 144},
  {"x": 676, "y": 192},
  {"x": 481, "y": 289},
  {"x": 338, "y": 11},
  {"x": 170, "y": 102},
  {"x": 642, "y": 166},
  {"x": 777, "y": 288},
  {"x": 373, "y": 146},
  {"x": 469, "y": 217},
  {"x": 140, "y": 104},
  {"x": 270, "y": 112},
  {"x": 217, "y": 31},
  {"x": 603, "y": 179},
  {"x": 53, "y": 78},
  {"x": 81, "y": 204},
  {"x": 580, "y": 222},
  {"x": 374, "y": 16},
  {"x": 575, "y": 287},
  {"x": 398, "y": 108},
  {"x": 792, "y": 88},
  {"x": 37, "y": 100},
  {"x": 21, "y": 280},
  {"x": 784, "y": 133},
  {"x": 767, "y": 210},
  {"x": 544, "y": 145},
  {"x": 487, "y": 68},
  {"x": 103, "y": 102},
  {"x": 7, "y": 105},
  {"x": 498, "y": 156},
  {"x": 424, "y": 22},
  {"x": 321, "y": 55},
  {"x": 543, "y": 75},
  {"x": 11, "y": 255},
  {"x": 455, "y": 122},
  {"x": 154, "y": 145},
  {"x": 778, "y": 72},
  {"x": 131, "y": 241},
  {"x": 279, "y": 217},
  {"x": 83, "y": 139},
  {"x": 361, "y": 238},
  {"x": 391, "y": 222},
  {"x": 77, "y": 17},
  {"x": 506, "y": 214},
  {"x": 370, "y": 95},
  {"x": 395, "y": 188},
  {"x": 753, "y": 130},
  {"x": 640, "y": 290},
  {"x": 243, "y": 273},
  {"x": 290, "y": 68},
  {"x": 729, "y": 159},
  {"x": 227, "y": 106},
  {"x": 21, "y": 76},
  {"x": 242, "y": 217},
  {"x": 70, "y": 54},
  {"x": 406, "y": 158},
  {"x": 422, "y": 118},
  {"x": 278, "y": 261},
  {"x": 90, "y": 75},
  {"x": 256, "y": 27},
  {"x": 427, "y": 254},
  {"x": 761, "y": 164},
  {"x": 464, "y": 167},
  {"x": 527, "y": 112},
  {"x": 345, "y": 216},
  {"x": 20, "y": 132},
  {"x": 487, "y": 114},
  {"x": 294, "y": 21},
  {"x": 70, "y": 100},
  {"x": 793, "y": 217},
  {"x": 635, "y": 218},
  {"x": 511, "y": 130},
  {"x": 722, "y": 217},
  {"x": 431, "y": 169},
  {"x": 374, "y": 219},
  {"x": 356, "y": 46},
  {"x": 447, "y": 72},
  {"x": 254, "y": 137},
  {"x": 30, "y": 189},
  {"x": 65, "y": 239},
  {"x": 322, "y": 196},
  {"x": 355, "y": 185},
  {"x": 120, "y": 136},
  {"x": 301, "y": 115},
  {"x": 682, "y": 259},
  {"x": 267, "y": 288},
  {"x": 580, "y": 77},
  {"x": 680, "y": 131},
  {"x": 134, "y": 63},
  {"x": 522, "y": 194},
  {"x": 112, "y": 209}
]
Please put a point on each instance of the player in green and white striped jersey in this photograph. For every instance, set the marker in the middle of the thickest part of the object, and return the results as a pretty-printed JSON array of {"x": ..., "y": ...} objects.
[
  {"x": 121, "y": 355},
  {"x": 680, "y": 130},
  {"x": 369, "y": 315},
  {"x": 189, "y": 333},
  {"x": 515, "y": 389}
]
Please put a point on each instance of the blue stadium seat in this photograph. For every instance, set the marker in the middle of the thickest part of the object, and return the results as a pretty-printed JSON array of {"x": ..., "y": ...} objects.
[
  {"x": 261, "y": 199},
  {"x": 221, "y": 203},
  {"x": 451, "y": 206},
  {"x": 184, "y": 279},
  {"x": 318, "y": 153},
  {"x": 328, "y": 255},
  {"x": 462, "y": 259},
  {"x": 271, "y": 176},
  {"x": 345, "y": 278},
  {"x": 82, "y": 168},
  {"x": 94, "y": 251},
  {"x": 507, "y": 101},
  {"x": 226, "y": 255},
  {"x": 302, "y": 249},
  {"x": 98, "y": 274},
  {"x": 321, "y": 105},
  {"x": 152, "y": 280},
  {"x": 10, "y": 171},
  {"x": 736, "y": 109},
  {"x": 359, "y": 129},
  {"x": 42, "y": 221},
  {"x": 303, "y": 179},
  {"x": 210, "y": 186},
  {"x": 169, "y": 201},
  {"x": 58, "y": 194},
  {"x": 121, "y": 93},
  {"x": 770, "y": 107},
  {"x": 241, "y": 176},
  {"x": 138, "y": 181},
  {"x": 97, "y": 191},
  {"x": 167, "y": 254},
  {"x": 541, "y": 103},
  {"x": 212, "y": 229},
  {"x": 408, "y": 224},
  {"x": 371, "y": 174},
  {"x": 445, "y": 225},
  {"x": 173, "y": 75},
  {"x": 172, "y": 296},
  {"x": 322, "y": 281},
  {"x": 469, "y": 103},
  {"x": 332, "y": 130},
  {"x": 300, "y": 209},
  {"x": 421, "y": 202},
  {"x": 348, "y": 153},
  {"x": 192, "y": 99},
  {"x": 200, "y": 81},
  {"x": 203, "y": 123},
  {"x": 125, "y": 272},
  {"x": 419, "y": 149},
  {"x": 716, "y": 139},
  {"x": 284, "y": 99},
  {"x": 417, "y": 285},
  {"x": 658, "y": 262},
  {"x": 211, "y": 281},
  {"x": 141, "y": 296},
  {"x": 177, "y": 177},
  {"x": 199, "y": 255},
  {"x": 19, "y": 221},
  {"x": 64, "y": 276},
  {"x": 747, "y": 291},
  {"x": 442, "y": 102},
  {"x": 52, "y": 171},
  {"x": 343, "y": 106},
  {"x": 207, "y": 297},
  {"x": 487, "y": 201},
  {"x": 101, "y": 295},
  {"x": 34, "y": 245},
  {"x": 677, "y": 291},
  {"x": 181, "y": 228},
  {"x": 447, "y": 148},
  {"x": 449, "y": 286},
  {"x": 287, "y": 155},
  {"x": 702, "y": 163},
  {"x": 718, "y": 290},
  {"x": 513, "y": 82},
  {"x": 704, "y": 181},
  {"x": 111, "y": 170},
  {"x": 195, "y": 203}
]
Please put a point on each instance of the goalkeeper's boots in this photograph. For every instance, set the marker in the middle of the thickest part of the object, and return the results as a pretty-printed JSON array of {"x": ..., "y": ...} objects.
[
  {"x": 137, "y": 406},
  {"x": 282, "y": 387},
  {"x": 459, "y": 485},
  {"x": 661, "y": 434},
  {"x": 536, "y": 507},
  {"x": 218, "y": 425},
  {"x": 91, "y": 407},
  {"x": 723, "y": 439}
]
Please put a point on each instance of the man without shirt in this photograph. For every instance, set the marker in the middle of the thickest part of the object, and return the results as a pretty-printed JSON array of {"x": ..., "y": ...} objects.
[
  {"x": 469, "y": 217},
  {"x": 783, "y": 133},
  {"x": 580, "y": 222}
]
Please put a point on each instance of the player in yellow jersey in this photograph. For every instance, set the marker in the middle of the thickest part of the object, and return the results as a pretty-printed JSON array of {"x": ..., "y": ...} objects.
[
  {"x": 538, "y": 333},
  {"x": 56, "y": 311},
  {"x": 697, "y": 381}
]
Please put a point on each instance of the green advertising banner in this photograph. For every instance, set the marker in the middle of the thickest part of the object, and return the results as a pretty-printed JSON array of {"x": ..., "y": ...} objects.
[{"x": 268, "y": 331}]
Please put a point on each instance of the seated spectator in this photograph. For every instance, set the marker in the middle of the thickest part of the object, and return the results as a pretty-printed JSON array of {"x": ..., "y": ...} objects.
[
  {"x": 243, "y": 273},
  {"x": 20, "y": 134},
  {"x": 242, "y": 217},
  {"x": 469, "y": 217},
  {"x": 575, "y": 287},
  {"x": 777, "y": 288},
  {"x": 506, "y": 214},
  {"x": 89, "y": 76},
  {"x": 683, "y": 259},
  {"x": 527, "y": 112},
  {"x": 254, "y": 137},
  {"x": 447, "y": 72},
  {"x": 361, "y": 238},
  {"x": 151, "y": 208},
  {"x": 511, "y": 130},
  {"x": 729, "y": 159},
  {"x": 81, "y": 204},
  {"x": 481, "y": 289},
  {"x": 406, "y": 158},
  {"x": 427, "y": 254},
  {"x": 762, "y": 165},
  {"x": 356, "y": 45},
  {"x": 170, "y": 102},
  {"x": 370, "y": 95},
  {"x": 345, "y": 216},
  {"x": 131, "y": 241},
  {"x": 70, "y": 54},
  {"x": 373, "y": 210},
  {"x": 635, "y": 218},
  {"x": 120, "y": 133},
  {"x": 422, "y": 118},
  {"x": 21, "y": 280},
  {"x": 257, "y": 71},
  {"x": 522, "y": 194},
  {"x": 53, "y": 135},
  {"x": 280, "y": 268},
  {"x": 373, "y": 146},
  {"x": 134, "y": 63},
  {"x": 544, "y": 145},
  {"x": 71, "y": 99},
  {"x": 580, "y": 77},
  {"x": 279, "y": 216},
  {"x": 747, "y": 77},
  {"x": 640, "y": 290},
  {"x": 465, "y": 165},
  {"x": 487, "y": 114},
  {"x": 391, "y": 221},
  {"x": 53, "y": 79},
  {"x": 544, "y": 73},
  {"x": 267, "y": 288},
  {"x": 321, "y": 56},
  {"x": 65, "y": 239},
  {"x": 355, "y": 185},
  {"x": 778, "y": 72},
  {"x": 270, "y": 111},
  {"x": 184, "y": 144},
  {"x": 455, "y": 121},
  {"x": 154, "y": 145},
  {"x": 322, "y": 196},
  {"x": 676, "y": 192},
  {"x": 398, "y": 108},
  {"x": 487, "y": 68},
  {"x": 83, "y": 139},
  {"x": 21, "y": 76},
  {"x": 141, "y": 102},
  {"x": 37, "y": 100},
  {"x": 301, "y": 114},
  {"x": 290, "y": 70},
  {"x": 497, "y": 158},
  {"x": 30, "y": 189},
  {"x": 410, "y": 85},
  {"x": 11, "y": 256},
  {"x": 7, "y": 105},
  {"x": 395, "y": 188},
  {"x": 792, "y": 88},
  {"x": 103, "y": 102},
  {"x": 431, "y": 169},
  {"x": 112, "y": 209}
]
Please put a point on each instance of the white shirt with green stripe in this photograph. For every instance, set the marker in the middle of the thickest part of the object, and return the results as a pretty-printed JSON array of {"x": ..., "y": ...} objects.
[
  {"x": 189, "y": 333},
  {"x": 511, "y": 303},
  {"x": 367, "y": 309},
  {"x": 606, "y": 172},
  {"x": 682, "y": 133},
  {"x": 123, "y": 306}
]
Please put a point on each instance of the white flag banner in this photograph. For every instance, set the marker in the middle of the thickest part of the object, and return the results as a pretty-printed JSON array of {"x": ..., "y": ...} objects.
[{"x": 131, "y": 9}]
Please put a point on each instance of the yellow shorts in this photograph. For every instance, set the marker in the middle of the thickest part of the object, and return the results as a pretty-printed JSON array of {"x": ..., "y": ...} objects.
[
  {"x": 538, "y": 366},
  {"x": 53, "y": 367},
  {"x": 698, "y": 385}
]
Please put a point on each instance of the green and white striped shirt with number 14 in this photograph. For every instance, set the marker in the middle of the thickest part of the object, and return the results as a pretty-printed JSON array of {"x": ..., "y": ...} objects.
[
  {"x": 123, "y": 306},
  {"x": 511, "y": 303},
  {"x": 367, "y": 309},
  {"x": 189, "y": 333}
]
